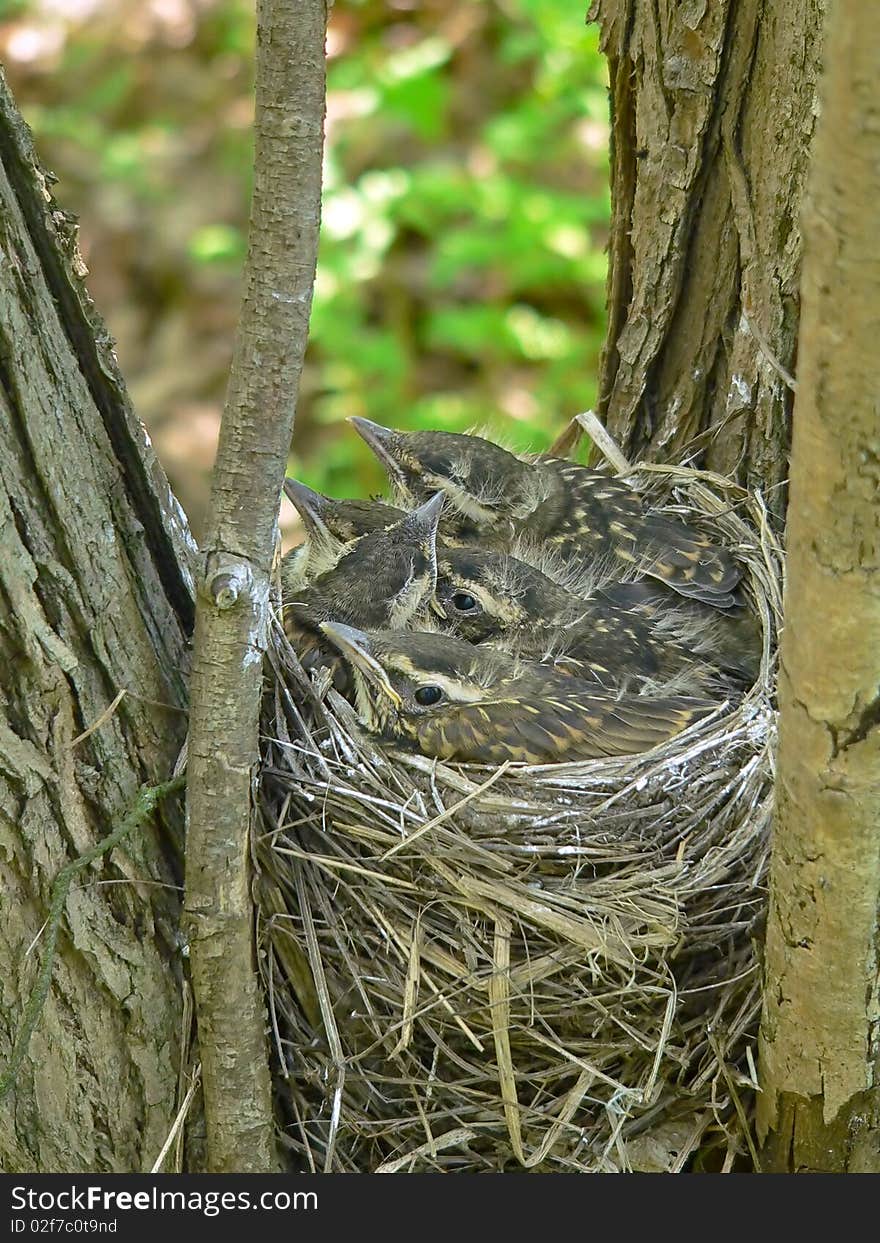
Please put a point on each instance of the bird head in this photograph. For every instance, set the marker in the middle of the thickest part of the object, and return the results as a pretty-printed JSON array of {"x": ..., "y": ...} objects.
[
  {"x": 486, "y": 487},
  {"x": 383, "y": 578},
  {"x": 331, "y": 526},
  {"x": 480, "y": 595},
  {"x": 407, "y": 681}
]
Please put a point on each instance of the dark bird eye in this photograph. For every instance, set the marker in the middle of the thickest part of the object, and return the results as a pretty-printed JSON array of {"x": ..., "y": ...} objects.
[
  {"x": 427, "y": 695},
  {"x": 464, "y": 602}
]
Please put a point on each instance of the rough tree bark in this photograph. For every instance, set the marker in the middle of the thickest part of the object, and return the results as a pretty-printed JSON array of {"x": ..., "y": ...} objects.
[
  {"x": 820, "y": 1047},
  {"x": 94, "y": 600},
  {"x": 713, "y": 107},
  {"x": 232, "y": 610}
]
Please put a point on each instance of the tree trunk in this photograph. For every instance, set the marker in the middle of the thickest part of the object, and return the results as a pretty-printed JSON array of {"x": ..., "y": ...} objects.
[
  {"x": 713, "y": 106},
  {"x": 95, "y": 599},
  {"x": 820, "y": 1047}
]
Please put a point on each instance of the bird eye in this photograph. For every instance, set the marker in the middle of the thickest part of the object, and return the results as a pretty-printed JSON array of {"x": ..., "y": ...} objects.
[
  {"x": 464, "y": 602},
  {"x": 428, "y": 695}
]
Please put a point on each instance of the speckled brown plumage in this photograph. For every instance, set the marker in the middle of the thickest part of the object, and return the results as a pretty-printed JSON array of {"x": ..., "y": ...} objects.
[
  {"x": 448, "y": 699},
  {"x": 495, "y": 497},
  {"x": 495, "y": 598}
]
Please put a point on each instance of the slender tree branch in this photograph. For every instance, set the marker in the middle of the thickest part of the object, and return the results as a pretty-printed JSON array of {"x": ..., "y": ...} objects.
[{"x": 233, "y": 595}]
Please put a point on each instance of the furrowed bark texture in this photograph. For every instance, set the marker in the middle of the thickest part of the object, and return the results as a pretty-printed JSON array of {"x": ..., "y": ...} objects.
[
  {"x": 820, "y": 1040},
  {"x": 713, "y": 107},
  {"x": 233, "y": 596},
  {"x": 93, "y": 600}
]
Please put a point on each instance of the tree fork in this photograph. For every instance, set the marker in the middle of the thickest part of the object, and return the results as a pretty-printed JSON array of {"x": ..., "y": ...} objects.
[
  {"x": 819, "y": 1108},
  {"x": 232, "y": 606}
]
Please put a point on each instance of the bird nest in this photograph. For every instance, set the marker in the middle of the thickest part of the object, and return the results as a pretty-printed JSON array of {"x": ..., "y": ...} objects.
[{"x": 551, "y": 968}]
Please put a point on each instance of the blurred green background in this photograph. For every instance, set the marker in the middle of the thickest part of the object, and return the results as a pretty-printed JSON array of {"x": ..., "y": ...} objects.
[{"x": 462, "y": 266}]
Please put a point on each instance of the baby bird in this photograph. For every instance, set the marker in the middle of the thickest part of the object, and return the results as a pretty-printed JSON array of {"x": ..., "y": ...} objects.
[
  {"x": 495, "y": 598},
  {"x": 330, "y": 529},
  {"x": 584, "y": 514},
  {"x": 444, "y": 697},
  {"x": 730, "y": 639},
  {"x": 381, "y": 581}
]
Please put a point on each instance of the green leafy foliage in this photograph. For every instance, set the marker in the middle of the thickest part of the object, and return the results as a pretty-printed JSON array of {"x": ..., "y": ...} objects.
[
  {"x": 462, "y": 260},
  {"x": 462, "y": 269}
]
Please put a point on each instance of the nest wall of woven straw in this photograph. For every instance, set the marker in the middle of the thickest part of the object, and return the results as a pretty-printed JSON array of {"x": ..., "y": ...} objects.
[{"x": 476, "y": 969}]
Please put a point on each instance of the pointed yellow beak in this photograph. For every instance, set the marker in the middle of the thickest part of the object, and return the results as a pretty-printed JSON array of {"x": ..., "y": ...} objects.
[{"x": 354, "y": 645}]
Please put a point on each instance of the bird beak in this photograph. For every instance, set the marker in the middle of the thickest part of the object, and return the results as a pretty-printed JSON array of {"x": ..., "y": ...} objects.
[
  {"x": 309, "y": 506},
  {"x": 424, "y": 522},
  {"x": 436, "y": 607},
  {"x": 427, "y": 516},
  {"x": 382, "y": 441},
  {"x": 354, "y": 645}
]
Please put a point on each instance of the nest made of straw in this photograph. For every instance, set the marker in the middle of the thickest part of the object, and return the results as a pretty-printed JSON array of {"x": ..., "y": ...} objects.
[{"x": 545, "y": 967}]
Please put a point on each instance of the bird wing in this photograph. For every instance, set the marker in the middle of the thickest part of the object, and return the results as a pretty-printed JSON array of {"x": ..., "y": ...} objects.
[
  {"x": 590, "y": 727},
  {"x": 557, "y": 727},
  {"x": 654, "y": 543},
  {"x": 688, "y": 562}
]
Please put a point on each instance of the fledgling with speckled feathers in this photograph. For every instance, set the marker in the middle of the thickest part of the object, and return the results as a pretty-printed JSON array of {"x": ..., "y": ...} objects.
[
  {"x": 331, "y": 528},
  {"x": 494, "y": 497},
  {"x": 381, "y": 580},
  {"x": 448, "y": 699},
  {"x": 495, "y": 598}
]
